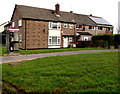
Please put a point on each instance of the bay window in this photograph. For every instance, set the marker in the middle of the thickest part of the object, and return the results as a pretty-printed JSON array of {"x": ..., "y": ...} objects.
[{"x": 54, "y": 40}]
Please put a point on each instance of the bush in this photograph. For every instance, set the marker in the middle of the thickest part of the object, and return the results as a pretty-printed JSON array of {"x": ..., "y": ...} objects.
[
  {"x": 117, "y": 39},
  {"x": 103, "y": 40}
]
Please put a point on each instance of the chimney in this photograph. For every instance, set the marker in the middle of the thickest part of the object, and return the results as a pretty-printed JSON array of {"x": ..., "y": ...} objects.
[
  {"x": 90, "y": 14},
  {"x": 57, "y": 9}
]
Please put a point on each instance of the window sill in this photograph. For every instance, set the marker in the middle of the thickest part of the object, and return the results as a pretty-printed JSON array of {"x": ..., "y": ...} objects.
[{"x": 54, "y": 45}]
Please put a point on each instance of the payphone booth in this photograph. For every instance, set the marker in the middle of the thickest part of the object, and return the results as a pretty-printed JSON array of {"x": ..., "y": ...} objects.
[{"x": 13, "y": 39}]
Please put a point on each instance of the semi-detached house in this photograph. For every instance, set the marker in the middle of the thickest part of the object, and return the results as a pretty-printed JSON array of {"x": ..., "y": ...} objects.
[{"x": 45, "y": 28}]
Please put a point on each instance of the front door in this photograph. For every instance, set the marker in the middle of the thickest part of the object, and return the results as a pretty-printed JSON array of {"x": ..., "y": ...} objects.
[{"x": 65, "y": 42}]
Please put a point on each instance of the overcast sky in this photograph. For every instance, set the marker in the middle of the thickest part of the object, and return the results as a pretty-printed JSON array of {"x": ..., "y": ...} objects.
[{"x": 107, "y": 9}]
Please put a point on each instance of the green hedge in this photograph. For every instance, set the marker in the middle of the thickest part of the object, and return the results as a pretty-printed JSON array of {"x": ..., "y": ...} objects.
[
  {"x": 106, "y": 40},
  {"x": 117, "y": 38}
]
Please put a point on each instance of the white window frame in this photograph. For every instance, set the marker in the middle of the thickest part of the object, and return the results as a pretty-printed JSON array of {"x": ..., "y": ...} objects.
[
  {"x": 70, "y": 39},
  {"x": 71, "y": 26},
  {"x": 52, "y": 23},
  {"x": 20, "y": 22},
  {"x": 13, "y": 24},
  {"x": 65, "y": 25},
  {"x": 20, "y": 38},
  {"x": 51, "y": 38}
]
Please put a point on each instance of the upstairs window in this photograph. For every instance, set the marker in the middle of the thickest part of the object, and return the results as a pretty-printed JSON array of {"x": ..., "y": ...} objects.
[
  {"x": 71, "y": 26},
  {"x": 100, "y": 28},
  {"x": 79, "y": 26},
  {"x": 65, "y": 25},
  {"x": 20, "y": 22},
  {"x": 54, "y": 25},
  {"x": 91, "y": 27},
  {"x": 13, "y": 24},
  {"x": 110, "y": 29}
]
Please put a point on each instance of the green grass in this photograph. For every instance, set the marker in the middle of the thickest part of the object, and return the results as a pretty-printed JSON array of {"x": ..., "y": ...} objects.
[
  {"x": 3, "y": 51},
  {"x": 54, "y": 50},
  {"x": 92, "y": 72}
]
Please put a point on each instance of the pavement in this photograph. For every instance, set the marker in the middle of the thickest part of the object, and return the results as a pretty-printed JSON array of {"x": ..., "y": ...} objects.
[{"x": 8, "y": 59}]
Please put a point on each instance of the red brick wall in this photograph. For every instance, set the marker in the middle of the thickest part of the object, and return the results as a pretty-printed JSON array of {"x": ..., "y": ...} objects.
[
  {"x": 36, "y": 34},
  {"x": 67, "y": 31}
]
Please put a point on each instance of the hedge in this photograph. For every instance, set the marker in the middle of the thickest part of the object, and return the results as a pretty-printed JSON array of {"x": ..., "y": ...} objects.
[
  {"x": 106, "y": 40},
  {"x": 117, "y": 39}
]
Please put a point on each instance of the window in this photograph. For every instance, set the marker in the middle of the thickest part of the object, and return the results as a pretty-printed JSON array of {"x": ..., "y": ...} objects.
[
  {"x": 20, "y": 37},
  {"x": 54, "y": 40},
  {"x": 91, "y": 27},
  {"x": 70, "y": 39},
  {"x": 65, "y": 25},
  {"x": 110, "y": 29},
  {"x": 79, "y": 26},
  {"x": 71, "y": 26},
  {"x": 54, "y": 25},
  {"x": 20, "y": 23},
  {"x": 13, "y": 24},
  {"x": 86, "y": 38},
  {"x": 100, "y": 28}
]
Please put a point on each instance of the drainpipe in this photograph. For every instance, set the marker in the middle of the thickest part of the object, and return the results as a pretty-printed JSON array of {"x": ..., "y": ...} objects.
[
  {"x": 75, "y": 33},
  {"x": 25, "y": 35}
]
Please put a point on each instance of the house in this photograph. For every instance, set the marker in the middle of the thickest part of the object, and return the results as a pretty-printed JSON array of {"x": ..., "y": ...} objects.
[
  {"x": 2, "y": 33},
  {"x": 34, "y": 28}
]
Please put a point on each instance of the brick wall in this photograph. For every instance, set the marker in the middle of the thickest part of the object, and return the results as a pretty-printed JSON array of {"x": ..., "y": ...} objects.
[
  {"x": 67, "y": 31},
  {"x": 36, "y": 34},
  {"x": 15, "y": 18}
]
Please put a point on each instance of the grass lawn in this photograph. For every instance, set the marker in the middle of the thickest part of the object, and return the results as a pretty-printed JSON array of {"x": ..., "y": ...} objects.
[
  {"x": 92, "y": 72},
  {"x": 23, "y": 52},
  {"x": 3, "y": 51}
]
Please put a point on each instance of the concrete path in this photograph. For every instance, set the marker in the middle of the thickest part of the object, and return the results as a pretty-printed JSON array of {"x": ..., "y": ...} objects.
[{"x": 7, "y": 59}]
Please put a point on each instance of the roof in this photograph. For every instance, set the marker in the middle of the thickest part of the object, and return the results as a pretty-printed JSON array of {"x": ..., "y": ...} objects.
[
  {"x": 99, "y": 20},
  {"x": 49, "y": 15},
  {"x": 83, "y": 33}
]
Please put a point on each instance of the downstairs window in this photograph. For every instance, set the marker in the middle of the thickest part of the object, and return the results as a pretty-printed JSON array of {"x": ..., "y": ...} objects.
[{"x": 54, "y": 40}]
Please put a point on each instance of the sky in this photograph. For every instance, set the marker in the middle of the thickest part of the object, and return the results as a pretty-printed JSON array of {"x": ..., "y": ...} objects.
[{"x": 107, "y": 9}]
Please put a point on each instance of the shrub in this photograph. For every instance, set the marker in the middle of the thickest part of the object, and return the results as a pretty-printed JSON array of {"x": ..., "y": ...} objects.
[
  {"x": 103, "y": 40},
  {"x": 117, "y": 39}
]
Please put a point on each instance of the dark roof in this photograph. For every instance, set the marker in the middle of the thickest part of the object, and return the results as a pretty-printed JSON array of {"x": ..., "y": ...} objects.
[
  {"x": 49, "y": 15},
  {"x": 84, "y": 33}
]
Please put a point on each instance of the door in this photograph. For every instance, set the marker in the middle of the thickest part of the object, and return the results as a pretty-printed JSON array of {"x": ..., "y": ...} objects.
[{"x": 65, "y": 42}]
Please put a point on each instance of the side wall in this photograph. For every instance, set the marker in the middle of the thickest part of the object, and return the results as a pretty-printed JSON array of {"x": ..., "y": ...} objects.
[{"x": 36, "y": 34}]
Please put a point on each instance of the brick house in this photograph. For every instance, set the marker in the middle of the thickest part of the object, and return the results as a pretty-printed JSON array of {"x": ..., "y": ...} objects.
[{"x": 45, "y": 28}]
